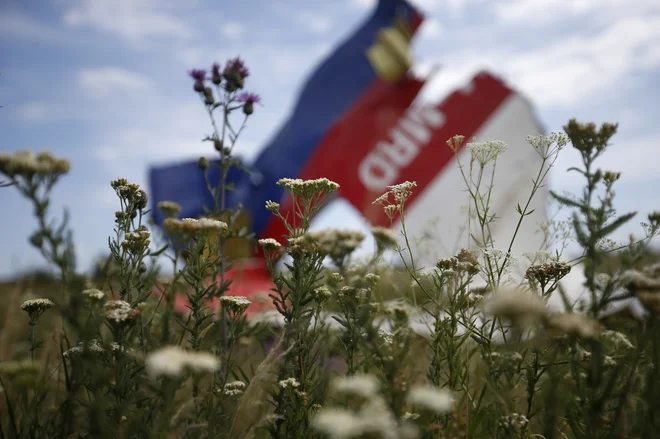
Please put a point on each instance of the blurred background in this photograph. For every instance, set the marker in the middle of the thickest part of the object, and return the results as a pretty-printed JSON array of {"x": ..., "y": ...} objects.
[{"x": 104, "y": 84}]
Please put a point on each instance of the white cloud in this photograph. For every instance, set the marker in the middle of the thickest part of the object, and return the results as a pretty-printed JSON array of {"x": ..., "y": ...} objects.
[
  {"x": 32, "y": 111},
  {"x": 544, "y": 12},
  {"x": 105, "y": 81},
  {"x": 233, "y": 30},
  {"x": 565, "y": 72},
  {"x": 362, "y": 4},
  {"x": 13, "y": 23},
  {"x": 315, "y": 22},
  {"x": 133, "y": 20},
  {"x": 431, "y": 28}
]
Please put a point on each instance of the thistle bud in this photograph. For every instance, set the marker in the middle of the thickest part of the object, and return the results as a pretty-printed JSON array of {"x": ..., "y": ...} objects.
[
  {"x": 208, "y": 96},
  {"x": 248, "y": 108},
  {"x": 203, "y": 163},
  {"x": 217, "y": 144}
]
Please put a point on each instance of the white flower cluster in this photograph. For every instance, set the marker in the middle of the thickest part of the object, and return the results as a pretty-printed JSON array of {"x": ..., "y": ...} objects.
[
  {"x": 436, "y": 400},
  {"x": 169, "y": 208},
  {"x": 617, "y": 338},
  {"x": 365, "y": 386},
  {"x": 321, "y": 294},
  {"x": 521, "y": 306},
  {"x": 289, "y": 383},
  {"x": 400, "y": 192},
  {"x": 93, "y": 346},
  {"x": 372, "y": 418},
  {"x": 234, "y": 388},
  {"x": 192, "y": 226},
  {"x": 36, "y": 305},
  {"x": 269, "y": 244},
  {"x": 547, "y": 146},
  {"x": 173, "y": 361},
  {"x": 486, "y": 152},
  {"x": 513, "y": 421},
  {"x": 235, "y": 304},
  {"x": 385, "y": 238},
  {"x": 24, "y": 163},
  {"x": 386, "y": 336},
  {"x": 119, "y": 311},
  {"x": 94, "y": 294},
  {"x": 308, "y": 188}
]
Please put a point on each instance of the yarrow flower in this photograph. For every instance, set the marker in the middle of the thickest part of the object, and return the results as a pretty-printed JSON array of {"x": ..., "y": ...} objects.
[
  {"x": 436, "y": 400},
  {"x": 234, "y": 388},
  {"x": 119, "y": 312},
  {"x": 289, "y": 383},
  {"x": 485, "y": 152},
  {"x": 26, "y": 164},
  {"x": 272, "y": 206},
  {"x": 94, "y": 294},
  {"x": 169, "y": 208},
  {"x": 308, "y": 188},
  {"x": 192, "y": 227},
  {"x": 547, "y": 146},
  {"x": 321, "y": 294},
  {"x": 521, "y": 306},
  {"x": 235, "y": 304},
  {"x": 93, "y": 346},
  {"x": 365, "y": 386},
  {"x": 37, "y": 306},
  {"x": 513, "y": 421},
  {"x": 173, "y": 361},
  {"x": 269, "y": 244},
  {"x": 575, "y": 325},
  {"x": 385, "y": 238}
]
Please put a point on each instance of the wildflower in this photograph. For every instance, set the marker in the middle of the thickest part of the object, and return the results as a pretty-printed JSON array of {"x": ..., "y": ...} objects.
[
  {"x": 436, "y": 400},
  {"x": 93, "y": 346},
  {"x": 575, "y": 325},
  {"x": 172, "y": 361},
  {"x": 199, "y": 75},
  {"x": 485, "y": 152},
  {"x": 235, "y": 304},
  {"x": 272, "y": 206},
  {"x": 385, "y": 238},
  {"x": 203, "y": 163},
  {"x": 192, "y": 227},
  {"x": 467, "y": 262},
  {"x": 402, "y": 191},
  {"x": 169, "y": 208},
  {"x": 216, "y": 76},
  {"x": 26, "y": 164},
  {"x": 308, "y": 188},
  {"x": 547, "y": 272},
  {"x": 269, "y": 244},
  {"x": 447, "y": 264},
  {"x": 234, "y": 388},
  {"x": 586, "y": 137},
  {"x": 371, "y": 278},
  {"x": 373, "y": 418},
  {"x": 36, "y": 307},
  {"x": 522, "y": 307},
  {"x": 617, "y": 338},
  {"x": 119, "y": 312},
  {"x": 291, "y": 383},
  {"x": 365, "y": 386},
  {"x": 337, "y": 244},
  {"x": 547, "y": 146},
  {"x": 137, "y": 242},
  {"x": 387, "y": 336},
  {"x": 410, "y": 416},
  {"x": 249, "y": 99},
  {"x": 235, "y": 73},
  {"x": 455, "y": 142},
  {"x": 94, "y": 295},
  {"x": 321, "y": 294},
  {"x": 513, "y": 421},
  {"x": 336, "y": 277}
]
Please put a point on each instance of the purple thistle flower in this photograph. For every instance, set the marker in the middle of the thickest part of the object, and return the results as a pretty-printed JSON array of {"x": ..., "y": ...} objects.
[
  {"x": 199, "y": 75},
  {"x": 249, "y": 97},
  {"x": 237, "y": 65},
  {"x": 216, "y": 75}
]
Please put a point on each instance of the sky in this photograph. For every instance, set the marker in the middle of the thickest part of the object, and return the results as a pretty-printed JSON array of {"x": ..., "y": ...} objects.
[{"x": 103, "y": 83}]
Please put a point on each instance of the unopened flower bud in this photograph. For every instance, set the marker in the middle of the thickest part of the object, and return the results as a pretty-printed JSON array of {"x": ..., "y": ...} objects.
[
  {"x": 203, "y": 163},
  {"x": 208, "y": 96},
  {"x": 248, "y": 108},
  {"x": 217, "y": 144}
]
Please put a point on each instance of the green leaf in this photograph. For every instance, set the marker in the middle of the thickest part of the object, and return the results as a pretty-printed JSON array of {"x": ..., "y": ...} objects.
[
  {"x": 565, "y": 200},
  {"x": 610, "y": 228}
]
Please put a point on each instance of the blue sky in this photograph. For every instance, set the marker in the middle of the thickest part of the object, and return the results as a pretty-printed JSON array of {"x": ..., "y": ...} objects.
[{"x": 104, "y": 84}]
